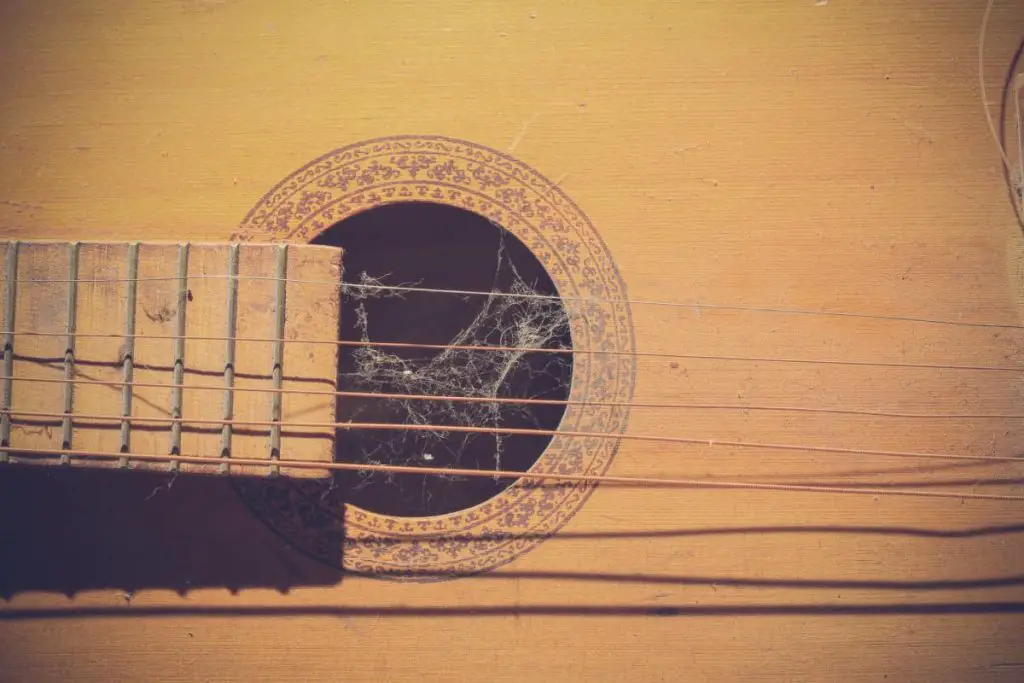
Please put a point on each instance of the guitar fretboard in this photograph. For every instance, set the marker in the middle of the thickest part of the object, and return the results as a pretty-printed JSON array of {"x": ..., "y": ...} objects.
[{"x": 142, "y": 348}]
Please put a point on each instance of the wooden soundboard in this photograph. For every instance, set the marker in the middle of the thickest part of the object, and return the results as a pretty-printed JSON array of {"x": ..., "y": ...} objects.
[{"x": 710, "y": 188}]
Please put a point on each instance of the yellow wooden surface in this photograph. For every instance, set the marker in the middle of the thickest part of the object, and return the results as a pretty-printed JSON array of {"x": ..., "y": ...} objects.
[
  {"x": 785, "y": 153},
  {"x": 100, "y": 315}
]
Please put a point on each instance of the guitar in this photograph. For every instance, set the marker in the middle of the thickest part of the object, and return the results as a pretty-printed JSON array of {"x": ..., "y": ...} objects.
[{"x": 719, "y": 397}]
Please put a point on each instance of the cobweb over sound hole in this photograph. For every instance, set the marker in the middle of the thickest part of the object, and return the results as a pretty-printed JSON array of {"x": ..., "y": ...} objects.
[{"x": 438, "y": 246}]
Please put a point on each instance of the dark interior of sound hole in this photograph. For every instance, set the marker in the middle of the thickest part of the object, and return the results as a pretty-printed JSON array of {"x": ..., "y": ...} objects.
[{"x": 434, "y": 246}]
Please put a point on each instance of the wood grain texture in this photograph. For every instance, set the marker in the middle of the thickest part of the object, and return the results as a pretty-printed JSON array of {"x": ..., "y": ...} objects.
[
  {"x": 821, "y": 156},
  {"x": 103, "y": 302}
]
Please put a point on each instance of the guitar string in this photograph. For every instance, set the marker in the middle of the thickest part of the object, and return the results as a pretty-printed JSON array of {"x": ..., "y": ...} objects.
[
  {"x": 552, "y": 433},
  {"x": 511, "y": 474},
  {"x": 528, "y": 401},
  {"x": 525, "y": 349},
  {"x": 694, "y": 305},
  {"x": 569, "y": 351},
  {"x": 1016, "y": 184},
  {"x": 511, "y": 431}
]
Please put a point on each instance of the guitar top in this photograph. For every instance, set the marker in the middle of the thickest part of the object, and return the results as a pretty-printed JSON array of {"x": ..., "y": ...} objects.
[{"x": 663, "y": 341}]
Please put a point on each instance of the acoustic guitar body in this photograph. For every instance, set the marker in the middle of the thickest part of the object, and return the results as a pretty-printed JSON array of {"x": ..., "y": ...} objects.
[{"x": 737, "y": 287}]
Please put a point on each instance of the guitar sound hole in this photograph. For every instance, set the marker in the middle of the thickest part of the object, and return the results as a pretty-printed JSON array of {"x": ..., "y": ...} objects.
[{"x": 425, "y": 245}]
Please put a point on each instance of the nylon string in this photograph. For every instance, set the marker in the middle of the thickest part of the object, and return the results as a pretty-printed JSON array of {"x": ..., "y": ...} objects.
[
  {"x": 509, "y": 474},
  {"x": 476, "y": 429},
  {"x": 546, "y": 297}
]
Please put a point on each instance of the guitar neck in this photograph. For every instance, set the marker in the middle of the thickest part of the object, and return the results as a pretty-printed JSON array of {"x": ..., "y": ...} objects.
[{"x": 118, "y": 355}]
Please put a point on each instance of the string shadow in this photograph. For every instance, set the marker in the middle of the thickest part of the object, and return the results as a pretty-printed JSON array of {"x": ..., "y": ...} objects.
[
  {"x": 481, "y": 611},
  {"x": 72, "y": 530},
  {"x": 69, "y": 530},
  {"x": 679, "y": 580},
  {"x": 1007, "y": 93}
]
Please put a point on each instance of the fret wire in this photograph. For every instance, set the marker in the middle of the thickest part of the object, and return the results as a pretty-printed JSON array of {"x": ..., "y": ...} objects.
[
  {"x": 69, "y": 352},
  {"x": 547, "y": 476},
  {"x": 177, "y": 393},
  {"x": 229, "y": 355},
  {"x": 560, "y": 433},
  {"x": 128, "y": 360},
  {"x": 10, "y": 307},
  {"x": 278, "y": 369}
]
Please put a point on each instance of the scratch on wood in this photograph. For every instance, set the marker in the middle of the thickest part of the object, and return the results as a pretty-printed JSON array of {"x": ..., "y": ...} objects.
[
  {"x": 36, "y": 431},
  {"x": 19, "y": 205},
  {"x": 203, "y": 5},
  {"x": 687, "y": 148},
  {"x": 522, "y": 133},
  {"x": 160, "y": 315}
]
